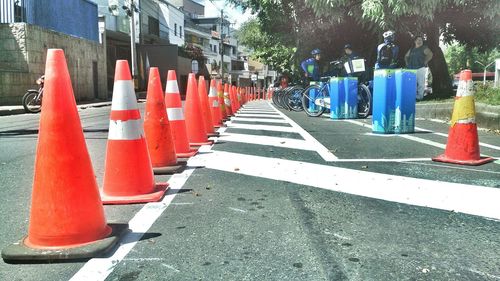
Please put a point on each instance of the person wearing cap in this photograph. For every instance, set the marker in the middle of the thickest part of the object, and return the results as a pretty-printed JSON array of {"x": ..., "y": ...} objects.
[
  {"x": 417, "y": 58},
  {"x": 310, "y": 66},
  {"x": 387, "y": 52},
  {"x": 348, "y": 56}
]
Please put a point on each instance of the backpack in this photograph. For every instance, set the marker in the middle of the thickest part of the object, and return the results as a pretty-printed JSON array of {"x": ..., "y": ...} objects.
[{"x": 386, "y": 55}]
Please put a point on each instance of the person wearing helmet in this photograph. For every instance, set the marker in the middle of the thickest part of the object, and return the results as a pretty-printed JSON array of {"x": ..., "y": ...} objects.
[
  {"x": 310, "y": 66},
  {"x": 387, "y": 52}
]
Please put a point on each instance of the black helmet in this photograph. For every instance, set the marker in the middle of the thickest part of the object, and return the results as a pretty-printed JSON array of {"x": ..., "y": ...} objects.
[{"x": 348, "y": 46}]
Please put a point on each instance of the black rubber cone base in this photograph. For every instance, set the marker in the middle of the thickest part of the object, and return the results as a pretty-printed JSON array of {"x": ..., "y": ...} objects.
[
  {"x": 20, "y": 253},
  {"x": 169, "y": 170}
]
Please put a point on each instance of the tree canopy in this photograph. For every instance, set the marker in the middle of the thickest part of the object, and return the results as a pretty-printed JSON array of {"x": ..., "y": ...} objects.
[{"x": 301, "y": 25}]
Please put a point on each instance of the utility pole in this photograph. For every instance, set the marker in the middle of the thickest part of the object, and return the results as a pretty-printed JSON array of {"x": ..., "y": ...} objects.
[
  {"x": 132, "y": 10},
  {"x": 221, "y": 48}
]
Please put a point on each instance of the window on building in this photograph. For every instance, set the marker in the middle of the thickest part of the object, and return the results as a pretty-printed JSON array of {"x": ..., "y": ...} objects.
[
  {"x": 214, "y": 27},
  {"x": 175, "y": 29},
  {"x": 215, "y": 48},
  {"x": 180, "y": 31},
  {"x": 19, "y": 11},
  {"x": 234, "y": 50},
  {"x": 153, "y": 26}
]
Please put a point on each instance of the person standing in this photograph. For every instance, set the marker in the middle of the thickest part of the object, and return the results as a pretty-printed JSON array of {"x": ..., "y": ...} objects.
[
  {"x": 417, "y": 58},
  {"x": 310, "y": 66}
]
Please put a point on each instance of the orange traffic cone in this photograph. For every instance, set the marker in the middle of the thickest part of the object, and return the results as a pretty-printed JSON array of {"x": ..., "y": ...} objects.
[
  {"x": 67, "y": 218},
  {"x": 176, "y": 117},
  {"x": 194, "y": 120},
  {"x": 227, "y": 100},
  {"x": 463, "y": 143},
  {"x": 234, "y": 99},
  {"x": 222, "y": 104},
  {"x": 128, "y": 174},
  {"x": 214, "y": 105},
  {"x": 205, "y": 108},
  {"x": 157, "y": 128}
]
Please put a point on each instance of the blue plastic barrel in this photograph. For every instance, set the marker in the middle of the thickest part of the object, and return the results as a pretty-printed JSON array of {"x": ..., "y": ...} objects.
[
  {"x": 351, "y": 97},
  {"x": 337, "y": 98},
  {"x": 406, "y": 92},
  {"x": 384, "y": 101}
]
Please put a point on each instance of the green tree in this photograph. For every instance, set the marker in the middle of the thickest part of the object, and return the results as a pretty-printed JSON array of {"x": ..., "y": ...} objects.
[
  {"x": 459, "y": 57},
  {"x": 266, "y": 48},
  {"x": 474, "y": 23},
  {"x": 329, "y": 24}
]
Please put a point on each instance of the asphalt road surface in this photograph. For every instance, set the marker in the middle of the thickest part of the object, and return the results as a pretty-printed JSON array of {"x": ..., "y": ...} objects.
[{"x": 282, "y": 196}]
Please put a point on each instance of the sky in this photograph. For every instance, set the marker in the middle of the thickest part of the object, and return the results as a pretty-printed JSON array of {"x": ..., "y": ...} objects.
[{"x": 235, "y": 15}]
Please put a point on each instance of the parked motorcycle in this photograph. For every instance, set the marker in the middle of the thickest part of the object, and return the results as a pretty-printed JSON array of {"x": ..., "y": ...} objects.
[{"x": 32, "y": 100}]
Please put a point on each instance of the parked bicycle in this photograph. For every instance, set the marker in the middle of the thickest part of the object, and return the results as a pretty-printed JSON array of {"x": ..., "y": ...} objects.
[
  {"x": 32, "y": 100},
  {"x": 289, "y": 98},
  {"x": 316, "y": 97}
]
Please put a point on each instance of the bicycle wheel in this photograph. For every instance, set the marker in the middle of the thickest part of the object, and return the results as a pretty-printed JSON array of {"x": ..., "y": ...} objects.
[
  {"x": 294, "y": 100},
  {"x": 313, "y": 100},
  {"x": 31, "y": 102},
  {"x": 282, "y": 99},
  {"x": 364, "y": 101},
  {"x": 276, "y": 96}
]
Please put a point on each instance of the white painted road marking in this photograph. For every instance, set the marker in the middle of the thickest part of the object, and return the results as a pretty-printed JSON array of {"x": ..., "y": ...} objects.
[
  {"x": 266, "y": 140},
  {"x": 469, "y": 199},
  {"x": 260, "y": 127},
  {"x": 420, "y": 140},
  {"x": 320, "y": 148},
  {"x": 99, "y": 268},
  {"x": 263, "y": 120}
]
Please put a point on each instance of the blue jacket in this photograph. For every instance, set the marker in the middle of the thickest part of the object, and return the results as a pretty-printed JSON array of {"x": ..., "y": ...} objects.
[
  {"x": 395, "y": 53},
  {"x": 311, "y": 66}
]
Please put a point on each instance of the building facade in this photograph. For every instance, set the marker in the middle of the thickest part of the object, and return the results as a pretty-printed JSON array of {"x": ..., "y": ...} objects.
[{"x": 28, "y": 28}]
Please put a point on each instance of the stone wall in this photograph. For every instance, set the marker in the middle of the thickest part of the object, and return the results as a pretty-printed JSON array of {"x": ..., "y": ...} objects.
[{"x": 23, "y": 50}]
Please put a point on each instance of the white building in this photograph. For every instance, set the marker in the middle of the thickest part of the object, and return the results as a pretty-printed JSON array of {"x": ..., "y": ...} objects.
[{"x": 172, "y": 19}]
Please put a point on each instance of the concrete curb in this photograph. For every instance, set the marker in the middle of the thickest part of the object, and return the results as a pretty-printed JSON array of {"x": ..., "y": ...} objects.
[{"x": 487, "y": 116}]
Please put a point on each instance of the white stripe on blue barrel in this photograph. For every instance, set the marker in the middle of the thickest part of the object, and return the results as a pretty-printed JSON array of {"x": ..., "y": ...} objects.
[
  {"x": 124, "y": 96},
  {"x": 125, "y": 130},
  {"x": 175, "y": 114}
]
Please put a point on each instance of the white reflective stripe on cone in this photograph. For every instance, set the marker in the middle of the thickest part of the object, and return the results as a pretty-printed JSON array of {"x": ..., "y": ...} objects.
[
  {"x": 125, "y": 130},
  {"x": 124, "y": 96},
  {"x": 467, "y": 121},
  {"x": 215, "y": 103},
  {"x": 212, "y": 93},
  {"x": 464, "y": 88},
  {"x": 175, "y": 114},
  {"x": 172, "y": 87},
  {"x": 227, "y": 101}
]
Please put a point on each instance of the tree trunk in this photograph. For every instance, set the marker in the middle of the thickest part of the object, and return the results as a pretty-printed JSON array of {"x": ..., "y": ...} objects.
[{"x": 441, "y": 82}]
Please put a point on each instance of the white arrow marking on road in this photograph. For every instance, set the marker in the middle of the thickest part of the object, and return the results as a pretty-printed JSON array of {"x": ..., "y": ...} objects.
[{"x": 469, "y": 199}]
